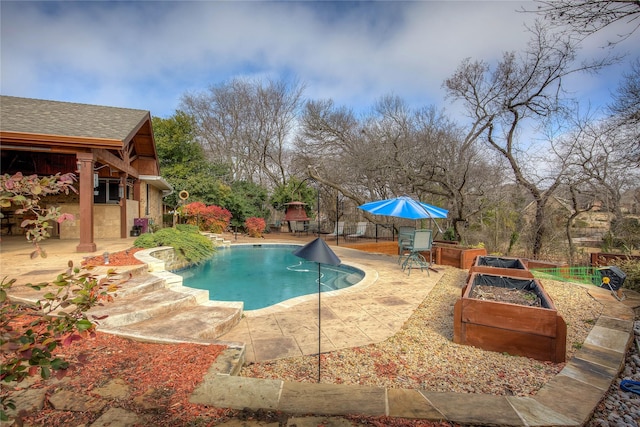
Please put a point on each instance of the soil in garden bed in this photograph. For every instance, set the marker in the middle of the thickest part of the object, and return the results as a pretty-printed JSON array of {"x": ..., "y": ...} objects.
[{"x": 507, "y": 295}]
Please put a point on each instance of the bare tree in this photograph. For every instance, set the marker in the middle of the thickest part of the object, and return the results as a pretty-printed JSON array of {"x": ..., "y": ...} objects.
[
  {"x": 520, "y": 90},
  {"x": 600, "y": 153},
  {"x": 327, "y": 146},
  {"x": 626, "y": 100},
  {"x": 454, "y": 168},
  {"x": 328, "y": 140},
  {"x": 392, "y": 151},
  {"x": 625, "y": 111},
  {"x": 247, "y": 125},
  {"x": 578, "y": 190},
  {"x": 585, "y": 17}
]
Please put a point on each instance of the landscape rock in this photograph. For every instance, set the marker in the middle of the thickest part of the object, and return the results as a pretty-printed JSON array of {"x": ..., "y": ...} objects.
[
  {"x": 65, "y": 400},
  {"x": 150, "y": 400},
  {"x": 26, "y": 400},
  {"x": 114, "y": 389},
  {"x": 117, "y": 417}
]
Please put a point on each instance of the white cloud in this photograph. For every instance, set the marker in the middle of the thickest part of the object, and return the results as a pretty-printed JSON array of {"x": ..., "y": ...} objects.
[{"x": 147, "y": 54}]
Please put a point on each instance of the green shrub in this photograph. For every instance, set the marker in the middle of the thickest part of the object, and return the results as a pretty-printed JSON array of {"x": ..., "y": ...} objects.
[
  {"x": 146, "y": 240},
  {"x": 192, "y": 247},
  {"x": 167, "y": 220},
  {"x": 449, "y": 234},
  {"x": 188, "y": 228},
  {"x": 626, "y": 233}
]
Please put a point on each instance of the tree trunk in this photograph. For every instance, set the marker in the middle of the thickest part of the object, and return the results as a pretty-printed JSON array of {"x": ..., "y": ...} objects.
[{"x": 539, "y": 229}]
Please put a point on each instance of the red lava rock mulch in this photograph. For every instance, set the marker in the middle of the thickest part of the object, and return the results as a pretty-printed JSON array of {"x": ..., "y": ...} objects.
[
  {"x": 115, "y": 259},
  {"x": 167, "y": 372}
]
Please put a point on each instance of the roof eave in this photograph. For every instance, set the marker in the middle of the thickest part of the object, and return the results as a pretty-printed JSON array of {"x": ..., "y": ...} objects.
[
  {"x": 30, "y": 139},
  {"x": 158, "y": 182}
]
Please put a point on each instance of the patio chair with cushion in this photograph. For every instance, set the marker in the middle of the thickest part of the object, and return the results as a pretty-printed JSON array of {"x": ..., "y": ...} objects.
[
  {"x": 405, "y": 239},
  {"x": 361, "y": 229},
  {"x": 338, "y": 230},
  {"x": 299, "y": 227}
]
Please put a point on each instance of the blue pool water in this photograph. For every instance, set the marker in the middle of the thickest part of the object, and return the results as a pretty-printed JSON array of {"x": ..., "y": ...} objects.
[{"x": 264, "y": 275}]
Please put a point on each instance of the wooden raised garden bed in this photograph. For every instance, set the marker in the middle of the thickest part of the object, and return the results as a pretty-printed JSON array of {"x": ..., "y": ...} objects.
[
  {"x": 501, "y": 266},
  {"x": 456, "y": 255},
  {"x": 527, "y": 325}
]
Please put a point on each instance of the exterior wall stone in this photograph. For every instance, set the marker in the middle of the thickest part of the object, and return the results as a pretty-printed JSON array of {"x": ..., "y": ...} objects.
[
  {"x": 171, "y": 261},
  {"x": 70, "y": 229},
  {"x": 151, "y": 205},
  {"x": 133, "y": 209},
  {"x": 106, "y": 220}
]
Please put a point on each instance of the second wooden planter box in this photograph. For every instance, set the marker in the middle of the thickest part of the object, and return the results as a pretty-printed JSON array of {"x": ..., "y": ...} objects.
[
  {"x": 501, "y": 266},
  {"x": 456, "y": 255}
]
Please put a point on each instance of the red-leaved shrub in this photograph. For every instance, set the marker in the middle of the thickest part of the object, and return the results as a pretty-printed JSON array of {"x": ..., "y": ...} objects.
[
  {"x": 255, "y": 226},
  {"x": 208, "y": 218}
]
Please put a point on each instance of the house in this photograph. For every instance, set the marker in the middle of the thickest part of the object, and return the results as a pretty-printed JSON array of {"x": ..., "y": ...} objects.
[
  {"x": 112, "y": 152},
  {"x": 557, "y": 210}
]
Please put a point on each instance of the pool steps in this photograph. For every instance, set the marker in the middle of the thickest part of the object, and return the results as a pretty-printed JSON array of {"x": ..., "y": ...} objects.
[
  {"x": 153, "y": 310},
  {"x": 153, "y": 306},
  {"x": 141, "y": 306}
]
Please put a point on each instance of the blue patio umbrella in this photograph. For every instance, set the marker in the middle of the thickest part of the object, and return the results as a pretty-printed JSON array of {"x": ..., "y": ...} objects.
[{"x": 404, "y": 207}]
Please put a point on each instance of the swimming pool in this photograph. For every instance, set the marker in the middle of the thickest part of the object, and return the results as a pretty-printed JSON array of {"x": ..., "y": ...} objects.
[{"x": 264, "y": 275}]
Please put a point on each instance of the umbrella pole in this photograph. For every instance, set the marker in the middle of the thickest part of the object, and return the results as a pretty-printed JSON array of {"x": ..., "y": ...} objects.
[
  {"x": 433, "y": 219},
  {"x": 337, "y": 218}
]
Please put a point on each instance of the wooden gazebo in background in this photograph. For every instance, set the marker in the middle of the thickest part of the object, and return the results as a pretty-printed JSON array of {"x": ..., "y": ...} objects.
[{"x": 296, "y": 214}]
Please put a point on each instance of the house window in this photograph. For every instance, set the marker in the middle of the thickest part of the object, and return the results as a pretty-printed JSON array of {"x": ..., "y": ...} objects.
[{"x": 107, "y": 191}]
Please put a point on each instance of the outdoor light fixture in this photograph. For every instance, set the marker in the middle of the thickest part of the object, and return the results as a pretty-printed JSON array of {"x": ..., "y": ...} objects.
[
  {"x": 318, "y": 251},
  {"x": 106, "y": 258},
  {"x": 121, "y": 191}
]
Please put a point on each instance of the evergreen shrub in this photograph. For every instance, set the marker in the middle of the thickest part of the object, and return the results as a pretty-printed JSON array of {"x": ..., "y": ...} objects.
[{"x": 188, "y": 244}]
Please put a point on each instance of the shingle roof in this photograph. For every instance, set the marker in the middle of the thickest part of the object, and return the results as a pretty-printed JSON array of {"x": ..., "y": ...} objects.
[{"x": 68, "y": 119}]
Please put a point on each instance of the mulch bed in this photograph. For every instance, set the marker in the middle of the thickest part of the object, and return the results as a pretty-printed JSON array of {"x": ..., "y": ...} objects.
[
  {"x": 169, "y": 373},
  {"x": 116, "y": 259}
]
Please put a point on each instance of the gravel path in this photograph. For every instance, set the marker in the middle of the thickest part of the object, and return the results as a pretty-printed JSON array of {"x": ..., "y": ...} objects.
[{"x": 423, "y": 355}]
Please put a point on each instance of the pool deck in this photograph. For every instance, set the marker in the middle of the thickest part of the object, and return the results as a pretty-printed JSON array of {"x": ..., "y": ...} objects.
[
  {"x": 368, "y": 312},
  {"x": 371, "y": 313}
]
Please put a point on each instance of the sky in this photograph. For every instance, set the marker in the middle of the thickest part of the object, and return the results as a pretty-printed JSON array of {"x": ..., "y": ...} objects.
[{"x": 148, "y": 54}]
